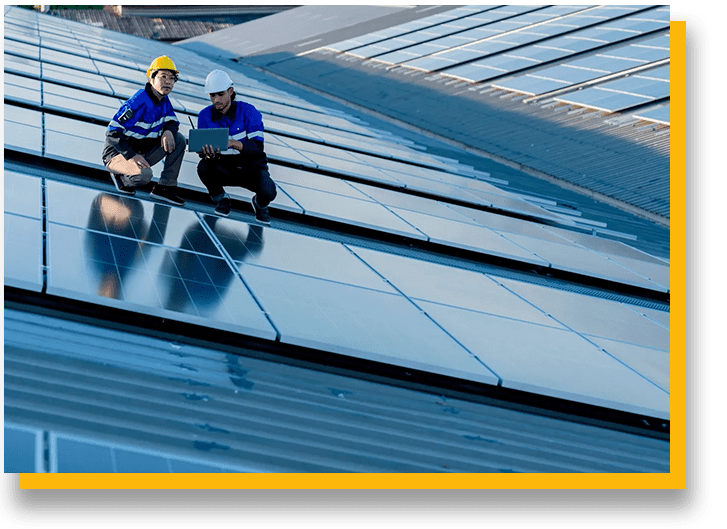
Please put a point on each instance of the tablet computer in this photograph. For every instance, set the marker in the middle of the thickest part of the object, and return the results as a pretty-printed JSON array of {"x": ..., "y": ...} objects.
[{"x": 198, "y": 138}]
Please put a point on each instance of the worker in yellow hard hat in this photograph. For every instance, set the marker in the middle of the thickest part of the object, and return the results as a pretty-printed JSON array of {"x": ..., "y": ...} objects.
[{"x": 144, "y": 131}]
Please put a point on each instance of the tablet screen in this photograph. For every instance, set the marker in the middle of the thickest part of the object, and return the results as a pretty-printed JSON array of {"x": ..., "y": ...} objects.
[{"x": 217, "y": 138}]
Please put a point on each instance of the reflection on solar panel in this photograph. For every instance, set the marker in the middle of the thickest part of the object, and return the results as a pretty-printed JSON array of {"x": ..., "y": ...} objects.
[
  {"x": 383, "y": 254},
  {"x": 590, "y": 68},
  {"x": 427, "y": 23},
  {"x": 614, "y": 96},
  {"x": 449, "y": 30},
  {"x": 465, "y": 45},
  {"x": 551, "y": 49},
  {"x": 660, "y": 114}
]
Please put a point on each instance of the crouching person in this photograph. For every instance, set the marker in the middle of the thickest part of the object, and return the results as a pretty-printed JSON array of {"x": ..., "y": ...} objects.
[
  {"x": 144, "y": 131},
  {"x": 244, "y": 163}
]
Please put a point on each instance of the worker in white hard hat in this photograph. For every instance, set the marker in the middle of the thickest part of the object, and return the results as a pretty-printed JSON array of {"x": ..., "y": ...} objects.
[
  {"x": 144, "y": 131},
  {"x": 244, "y": 163}
]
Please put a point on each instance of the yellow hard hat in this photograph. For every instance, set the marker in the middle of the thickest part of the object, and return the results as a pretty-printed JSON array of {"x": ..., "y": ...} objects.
[{"x": 162, "y": 63}]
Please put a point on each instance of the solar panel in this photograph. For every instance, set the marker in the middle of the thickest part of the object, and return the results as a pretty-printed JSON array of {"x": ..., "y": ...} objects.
[
  {"x": 396, "y": 199},
  {"x": 329, "y": 184},
  {"x": 82, "y": 104},
  {"x": 475, "y": 48},
  {"x": 603, "y": 98},
  {"x": 156, "y": 259},
  {"x": 353, "y": 169},
  {"x": 23, "y": 132},
  {"x": 573, "y": 310},
  {"x": 76, "y": 78},
  {"x": 550, "y": 361},
  {"x": 22, "y": 194},
  {"x": 16, "y": 91},
  {"x": 70, "y": 140},
  {"x": 23, "y": 448},
  {"x": 467, "y": 236},
  {"x": 661, "y": 114},
  {"x": 299, "y": 254},
  {"x": 571, "y": 258},
  {"x": 561, "y": 47},
  {"x": 408, "y": 27},
  {"x": 23, "y": 239},
  {"x": 591, "y": 67},
  {"x": 352, "y": 211},
  {"x": 445, "y": 285},
  {"x": 502, "y": 223},
  {"x": 22, "y": 49},
  {"x": 21, "y": 66},
  {"x": 359, "y": 322}
]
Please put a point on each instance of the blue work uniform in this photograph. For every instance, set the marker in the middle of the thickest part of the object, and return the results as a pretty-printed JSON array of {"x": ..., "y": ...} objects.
[
  {"x": 138, "y": 125},
  {"x": 249, "y": 168},
  {"x": 246, "y": 126}
]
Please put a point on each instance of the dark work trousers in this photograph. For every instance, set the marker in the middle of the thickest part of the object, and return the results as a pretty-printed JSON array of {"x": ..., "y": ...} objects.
[{"x": 230, "y": 170}]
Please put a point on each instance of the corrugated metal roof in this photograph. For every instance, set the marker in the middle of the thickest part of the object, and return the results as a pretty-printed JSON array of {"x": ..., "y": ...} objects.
[{"x": 221, "y": 408}]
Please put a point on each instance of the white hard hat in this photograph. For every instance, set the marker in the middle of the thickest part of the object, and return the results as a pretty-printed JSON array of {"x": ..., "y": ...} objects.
[{"x": 217, "y": 81}]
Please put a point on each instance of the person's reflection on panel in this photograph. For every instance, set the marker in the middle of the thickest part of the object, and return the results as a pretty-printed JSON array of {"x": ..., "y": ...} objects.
[
  {"x": 207, "y": 279},
  {"x": 116, "y": 237}
]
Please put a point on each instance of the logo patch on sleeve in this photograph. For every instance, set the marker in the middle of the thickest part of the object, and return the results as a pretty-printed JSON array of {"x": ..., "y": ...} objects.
[{"x": 126, "y": 116}]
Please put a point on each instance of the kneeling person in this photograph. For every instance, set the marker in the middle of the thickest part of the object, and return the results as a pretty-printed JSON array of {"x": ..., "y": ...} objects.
[
  {"x": 244, "y": 163},
  {"x": 142, "y": 132}
]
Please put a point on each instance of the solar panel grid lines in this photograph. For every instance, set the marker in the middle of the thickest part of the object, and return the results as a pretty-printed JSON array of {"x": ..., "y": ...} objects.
[
  {"x": 575, "y": 42},
  {"x": 402, "y": 29},
  {"x": 449, "y": 28},
  {"x": 481, "y": 45}
]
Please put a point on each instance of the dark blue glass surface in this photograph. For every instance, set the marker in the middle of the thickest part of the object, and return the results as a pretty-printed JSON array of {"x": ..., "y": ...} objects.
[{"x": 20, "y": 450}]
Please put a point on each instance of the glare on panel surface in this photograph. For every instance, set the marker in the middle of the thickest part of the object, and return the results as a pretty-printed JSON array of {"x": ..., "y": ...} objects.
[
  {"x": 22, "y": 194},
  {"x": 616, "y": 321},
  {"x": 550, "y": 361},
  {"x": 352, "y": 211},
  {"x": 447, "y": 285},
  {"x": 23, "y": 252},
  {"x": 292, "y": 252},
  {"x": 467, "y": 236},
  {"x": 363, "y": 323}
]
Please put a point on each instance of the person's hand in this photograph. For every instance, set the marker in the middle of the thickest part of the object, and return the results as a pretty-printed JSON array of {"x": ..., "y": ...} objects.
[
  {"x": 209, "y": 152},
  {"x": 234, "y": 144},
  {"x": 168, "y": 141},
  {"x": 140, "y": 161}
]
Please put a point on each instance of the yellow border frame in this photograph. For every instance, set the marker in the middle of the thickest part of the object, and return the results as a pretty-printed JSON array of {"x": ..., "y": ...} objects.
[{"x": 675, "y": 479}]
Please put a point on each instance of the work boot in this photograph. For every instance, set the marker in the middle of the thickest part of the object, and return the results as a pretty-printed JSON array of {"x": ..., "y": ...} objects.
[
  {"x": 223, "y": 207},
  {"x": 261, "y": 214},
  {"x": 168, "y": 194}
]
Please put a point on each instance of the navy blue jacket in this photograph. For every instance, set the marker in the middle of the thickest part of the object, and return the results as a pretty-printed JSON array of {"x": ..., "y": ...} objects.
[
  {"x": 246, "y": 126},
  {"x": 137, "y": 126}
]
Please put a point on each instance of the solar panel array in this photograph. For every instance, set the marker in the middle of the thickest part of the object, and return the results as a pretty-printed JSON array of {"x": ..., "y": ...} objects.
[
  {"x": 563, "y": 46},
  {"x": 460, "y": 15},
  {"x": 585, "y": 70},
  {"x": 63, "y": 82}
]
